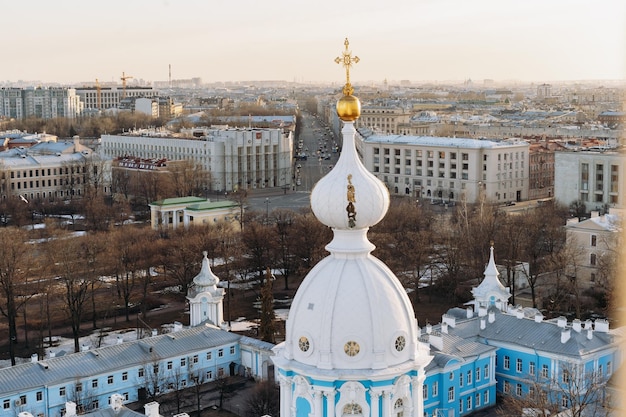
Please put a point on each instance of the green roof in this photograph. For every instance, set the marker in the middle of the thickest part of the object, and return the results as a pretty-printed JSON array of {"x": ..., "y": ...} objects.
[
  {"x": 212, "y": 205},
  {"x": 179, "y": 200}
]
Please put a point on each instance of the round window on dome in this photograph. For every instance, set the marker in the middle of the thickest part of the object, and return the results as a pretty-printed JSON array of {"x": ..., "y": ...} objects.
[
  {"x": 303, "y": 344},
  {"x": 400, "y": 343},
  {"x": 351, "y": 348}
]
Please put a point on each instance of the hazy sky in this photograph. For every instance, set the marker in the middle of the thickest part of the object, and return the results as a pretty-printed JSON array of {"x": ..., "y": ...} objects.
[{"x": 233, "y": 40}]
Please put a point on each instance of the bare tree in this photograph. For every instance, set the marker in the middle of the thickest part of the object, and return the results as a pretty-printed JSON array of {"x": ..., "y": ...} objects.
[
  {"x": 263, "y": 400},
  {"x": 189, "y": 178},
  {"x": 268, "y": 317},
  {"x": 13, "y": 263},
  {"x": 578, "y": 392}
]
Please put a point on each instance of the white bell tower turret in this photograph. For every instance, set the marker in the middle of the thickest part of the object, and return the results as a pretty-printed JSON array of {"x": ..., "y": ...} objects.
[
  {"x": 205, "y": 298},
  {"x": 491, "y": 292}
]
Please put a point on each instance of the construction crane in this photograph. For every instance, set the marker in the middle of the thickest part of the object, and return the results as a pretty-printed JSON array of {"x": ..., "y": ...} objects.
[
  {"x": 98, "y": 95},
  {"x": 124, "y": 77}
]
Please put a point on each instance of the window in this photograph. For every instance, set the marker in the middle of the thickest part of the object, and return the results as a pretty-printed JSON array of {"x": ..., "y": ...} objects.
[
  {"x": 451, "y": 376},
  {"x": 220, "y": 353},
  {"x": 593, "y": 240},
  {"x": 450, "y": 394},
  {"x": 592, "y": 259},
  {"x": 125, "y": 376},
  {"x": 609, "y": 368},
  {"x": 39, "y": 396},
  {"x": 478, "y": 399},
  {"x": 507, "y": 387},
  {"x": 79, "y": 387},
  {"x": 564, "y": 401},
  {"x": 469, "y": 403},
  {"x": 194, "y": 359},
  {"x": 23, "y": 399},
  {"x": 209, "y": 375},
  {"x": 518, "y": 390},
  {"x": 531, "y": 391},
  {"x": 486, "y": 373},
  {"x": 94, "y": 383},
  {"x": 6, "y": 404},
  {"x": 208, "y": 356},
  {"x": 544, "y": 371},
  {"x": 155, "y": 368},
  {"x": 565, "y": 376},
  {"x": 110, "y": 379},
  {"x": 469, "y": 377},
  {"x": 435, "y": 390},
  {"x": 425, "y": 391},
  {"x": 183, "y": 362},
  {"x": 140, "y": 373},
  {"x": 220, "y": 372},
  {"x": 486, "y": 397},
  {"x": 460, "y": 405},
  {"x": 62, "y": 392},
  {"x": 460, "y": 378},
  {"x": 531, "y": 368},
  {"x": 507, "y": 362},
  {"x": 518, "y": 365},
  {"x": 95, "y": 404},
  {"x": 169, "y": 365}
]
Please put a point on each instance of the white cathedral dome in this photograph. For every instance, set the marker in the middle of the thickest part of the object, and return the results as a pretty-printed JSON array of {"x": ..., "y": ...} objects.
[{"x": 351, "y": 312}]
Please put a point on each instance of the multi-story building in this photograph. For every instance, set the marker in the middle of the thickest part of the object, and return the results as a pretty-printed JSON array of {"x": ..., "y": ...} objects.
[
  {"x": 384, "y": 119},
  {"x": 595, "y": 178},
  {"x": 46, "y": 103},
  {"x": 449, "y": 169},
  {"x": 596, "y": 242},
  {"x": 103, "y": 98},
  {"x": 541, "y": 171},
  {"x": 235, "y": 158},
  {"x": 52, "y": 170}
]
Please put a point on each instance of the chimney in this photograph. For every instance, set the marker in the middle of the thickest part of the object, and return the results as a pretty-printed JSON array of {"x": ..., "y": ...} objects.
[
  {"x": 84, "y": 348},
  {"x": 449, "y": 320},
  {"x": 538, "y": 318},
  {"x": 601, "y": 325},
  {"x": 482, "y": 311},
  {"x": 561, "y": 322},
  {"x": 119, "y": 340},
  {"x": 52, "y": 354},
  {"x": 469, "y": 312},
  {"x": 116, "y": 402},
  {"x": 492, "y": 317},
  {"x": 429, "y": 328},
  {"x": 565, "y": 335},
  {"x": 444, "y": 327},
  {"x": 178, "y": 326},
  {"x": 519, "y": 313},
  {"x": 483, "y": 324},
  {"x": 34, "y": 358},
  {"x": 70, "y": 409},
  {"x": 76, "y": 143},
  {"x": 577, "y": 325},
  {"x": 589, "y": 333},
  {"x": 154, "y": 332},
  {"x": 151, "y": 409}
]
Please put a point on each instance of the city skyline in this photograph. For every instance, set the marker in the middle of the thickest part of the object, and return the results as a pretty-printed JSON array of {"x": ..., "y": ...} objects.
[{"x": 222, "y": 41}]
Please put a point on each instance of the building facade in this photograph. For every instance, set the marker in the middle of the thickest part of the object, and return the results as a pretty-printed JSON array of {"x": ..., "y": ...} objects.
[
  {"x": 384, "y": 119},
  {"x": 594, "y": 178},
  {"x": 52, "y": 170},
  {"x": 235, "y": 158},
  {"x": 102, "y": 98},
  {"x": 194, "y": 211},
  {"x": 449, "y": 169},
  {"x": 42, "y": 102}
]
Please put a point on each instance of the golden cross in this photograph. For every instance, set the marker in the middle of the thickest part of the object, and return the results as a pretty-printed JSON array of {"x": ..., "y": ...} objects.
[{"x": 347, "y": 60}]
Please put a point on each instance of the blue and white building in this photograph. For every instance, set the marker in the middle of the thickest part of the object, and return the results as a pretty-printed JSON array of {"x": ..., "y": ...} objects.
[{"x": 137, "y": 370}]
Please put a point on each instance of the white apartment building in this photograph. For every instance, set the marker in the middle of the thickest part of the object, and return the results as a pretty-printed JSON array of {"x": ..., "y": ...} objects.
[
  {"x": 235, "y": 158},
  {"x": 44, "y": 102},
  {"x": 110, "y": 97},
  {"x": 449, "y": 169},
  {"x": 593, "y": 177}
]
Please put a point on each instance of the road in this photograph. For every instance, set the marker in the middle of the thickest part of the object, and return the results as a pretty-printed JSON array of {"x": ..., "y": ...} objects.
[{"x": 317, "y": 143}]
